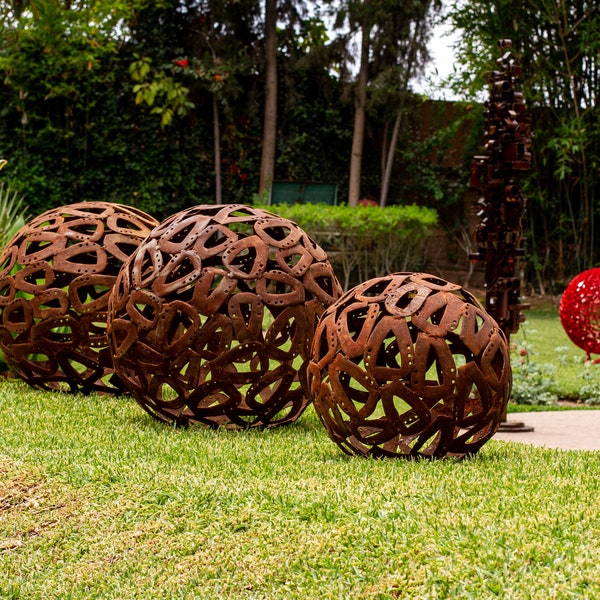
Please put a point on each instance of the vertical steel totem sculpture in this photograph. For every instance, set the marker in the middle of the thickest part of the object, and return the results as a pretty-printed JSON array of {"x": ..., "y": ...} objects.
[{"x": 501, "y": 204}]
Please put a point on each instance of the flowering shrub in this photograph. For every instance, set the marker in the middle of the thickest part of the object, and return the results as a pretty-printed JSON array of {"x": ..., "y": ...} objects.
[
  {"x": 536, "y": 383},
  {"x": 533, "y": 382},
  {"x": 589, "y": 392},
  {"x": 152, "y": 84}
]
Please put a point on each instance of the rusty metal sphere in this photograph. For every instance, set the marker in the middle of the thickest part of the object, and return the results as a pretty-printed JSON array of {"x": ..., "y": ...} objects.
[
  {"x": 409, "y": 365},
  {"x": 212, "y": 318},
  {"x": 579, "y": 311},
  {"x": 55, "y": 278}
]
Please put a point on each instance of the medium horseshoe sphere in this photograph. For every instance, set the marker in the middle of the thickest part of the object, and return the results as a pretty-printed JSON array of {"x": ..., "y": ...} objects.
[
  {"x": 212, "y": 318},
  {"x": 409, "y": 365}
]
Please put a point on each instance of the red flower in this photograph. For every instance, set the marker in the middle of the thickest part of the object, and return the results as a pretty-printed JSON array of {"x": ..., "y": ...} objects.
[
  {"x": 182, "y": 62},
  {"x": 243, "y": 177},
  {"x": 523, "y": 352},
  {"x": 367, "y": 202}
]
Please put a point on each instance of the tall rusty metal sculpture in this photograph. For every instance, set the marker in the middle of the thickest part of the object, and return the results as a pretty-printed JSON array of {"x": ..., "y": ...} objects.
[
  {"x": 212, "y": 319},
  {"x": 501, "y": 204},
  {"x": 55, "y": 278},
  {"x": 409, "y": 365}
]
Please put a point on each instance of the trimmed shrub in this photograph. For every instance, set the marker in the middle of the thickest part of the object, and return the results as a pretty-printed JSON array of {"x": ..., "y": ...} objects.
[{"x": 365, "y": 241}]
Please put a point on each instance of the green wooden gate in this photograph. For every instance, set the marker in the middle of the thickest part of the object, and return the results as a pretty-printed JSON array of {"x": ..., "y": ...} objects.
[{"x": 303, "y": 192}]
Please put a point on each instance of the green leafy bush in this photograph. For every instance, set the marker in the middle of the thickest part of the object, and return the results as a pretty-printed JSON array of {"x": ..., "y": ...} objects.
[
  {"x": 589, "y": 391},
  {"x": 533, "y": 382},
  {"x": 365, "y": 242}
]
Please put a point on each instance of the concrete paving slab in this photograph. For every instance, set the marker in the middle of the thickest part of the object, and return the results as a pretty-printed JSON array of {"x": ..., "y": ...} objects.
[{"x": 566, "y": 429}]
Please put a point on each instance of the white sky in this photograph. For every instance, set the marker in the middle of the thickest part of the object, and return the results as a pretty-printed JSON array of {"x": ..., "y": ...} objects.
[{"x": 442, "y": 63}]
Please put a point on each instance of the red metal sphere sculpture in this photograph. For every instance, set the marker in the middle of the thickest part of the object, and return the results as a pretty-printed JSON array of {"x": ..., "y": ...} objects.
[
  {"x": 579, "y": 311},
  {"x": 409, "y": 365},
  {"x": 55, "y": 278},
  {"x": 212, "y": 319}
]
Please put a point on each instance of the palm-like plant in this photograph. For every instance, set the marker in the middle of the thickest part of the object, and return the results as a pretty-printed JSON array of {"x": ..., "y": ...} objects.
[{"x": 12, "y": 212}]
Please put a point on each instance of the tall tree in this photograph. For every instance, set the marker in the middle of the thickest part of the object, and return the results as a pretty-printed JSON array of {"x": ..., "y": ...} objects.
[
  {"x": 267, "y": 163},
  {"x": 410, "y": 34},
  {"x": 360, "y": 103},
  {"x": 392, "y": 52},
  {"x": 218, "y": 40}
]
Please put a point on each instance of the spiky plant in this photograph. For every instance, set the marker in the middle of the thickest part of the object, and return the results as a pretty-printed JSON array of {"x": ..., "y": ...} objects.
[{"x": 12, "y": 213}]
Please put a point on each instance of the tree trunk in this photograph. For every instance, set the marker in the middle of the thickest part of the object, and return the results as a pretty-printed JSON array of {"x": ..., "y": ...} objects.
[
  {"x": 391, "y": 151},
  {"x": 384, "y": 145},
  {"x": 359, "y": 119},
  {"x": 387, "y": 173},
  {"x": 267, "y": 162},
  {"x": 217, "y": 146}
]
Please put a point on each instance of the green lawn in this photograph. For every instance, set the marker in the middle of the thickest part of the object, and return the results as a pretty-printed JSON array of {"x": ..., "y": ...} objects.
[{"x": 99, "y": 501}]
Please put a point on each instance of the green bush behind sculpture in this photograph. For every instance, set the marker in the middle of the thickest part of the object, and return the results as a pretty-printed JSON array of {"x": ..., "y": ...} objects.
[{"x": 365, "y": 241}]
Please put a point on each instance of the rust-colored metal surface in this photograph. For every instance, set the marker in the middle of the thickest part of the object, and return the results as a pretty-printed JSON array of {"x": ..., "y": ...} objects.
[
  {"x": 580, "y": 311},
  {"x": 212, "y": 318},
  {"x": 409, "y": 365},
  {"x": 501, "y": 204},
  {"x": 55, "y": 278}
]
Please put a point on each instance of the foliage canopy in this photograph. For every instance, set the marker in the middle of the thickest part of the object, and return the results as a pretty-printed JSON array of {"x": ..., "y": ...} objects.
[{"x": 118, "y": 101}]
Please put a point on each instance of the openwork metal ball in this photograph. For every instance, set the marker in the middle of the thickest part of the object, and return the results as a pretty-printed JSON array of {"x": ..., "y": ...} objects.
[
  {"x": 579, "y": 311},
  {"x": 213, "y": 317},
  {"x": 409, "y": 365},
  {"x": 55, "y": 278}
]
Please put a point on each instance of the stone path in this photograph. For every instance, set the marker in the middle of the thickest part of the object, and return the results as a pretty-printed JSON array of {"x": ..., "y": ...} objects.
[{"x": 568, "y": 429}]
